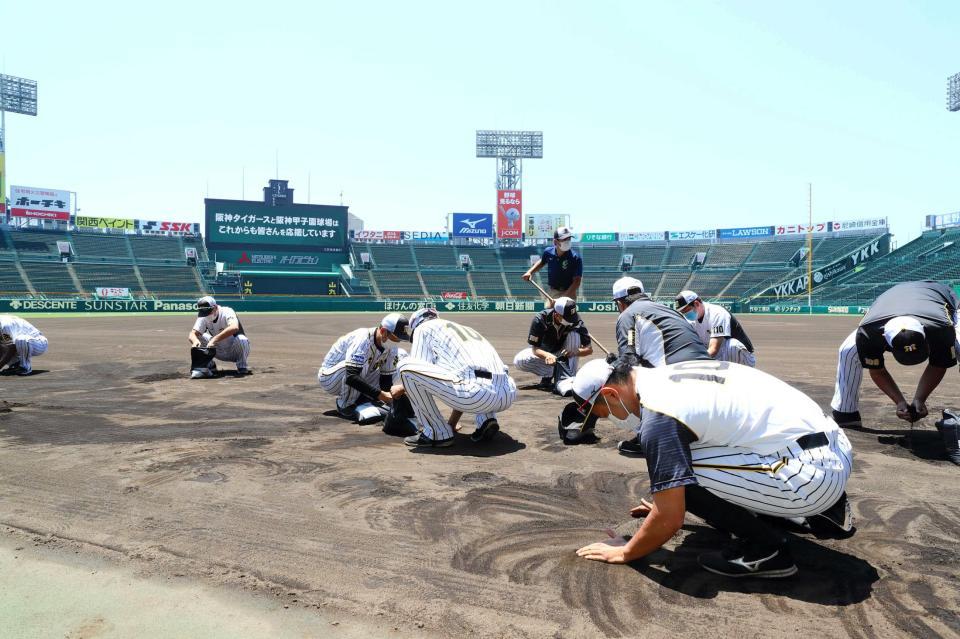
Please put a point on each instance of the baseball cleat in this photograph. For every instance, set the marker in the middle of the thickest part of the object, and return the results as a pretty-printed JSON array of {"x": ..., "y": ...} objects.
[
  {"x": 839, "y": 515},
  {"x": 739, "y": 560},
  {"x": 486, "y": 431},
  {"x": 242, "y": 370},
  {"x": 848, "y": 420},
  {"x": 201, "y": 373},
  {"x": 631, "y": 447},
  {"x": 17, "y": 369},
  {"x": 415, "y": 441},
  {"x": 546, "y": 383}
]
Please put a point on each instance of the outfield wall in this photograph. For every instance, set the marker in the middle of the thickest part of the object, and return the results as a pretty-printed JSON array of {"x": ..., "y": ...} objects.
[{"x": 353, "y": 305}]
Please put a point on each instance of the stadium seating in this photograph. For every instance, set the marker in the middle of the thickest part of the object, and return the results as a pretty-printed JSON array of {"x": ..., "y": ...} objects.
[
  {"x": 482, "y": 257},
  {"x": 776, "y": 252},
  {"x": 398, "y": 284},
  {"x": 170, "y": 281},
  {"x": 392, "y": 256},
  {"x": 37, "y": 243},
  {"x": 100, "y": 246},
  {"x": 439, "y": 282},
  {"x": 729, "y": 254},
  {"x": 710, "y": 284},
  {"x": 147, "y": 249},
  {"x": 436, "y": 257},
  {"x": 488, "y": 284},
  {"x": 605, "y": 258},
  {"x": 682, "y": 254},
  {"x": 92, "y": 276},
  {"x": 51, "y": 279},
  {"x": 10, "y": 281},
  {"x": 644, "y": 256}
]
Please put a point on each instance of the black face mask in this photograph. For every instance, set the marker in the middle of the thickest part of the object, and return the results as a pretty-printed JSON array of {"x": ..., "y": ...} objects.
[{"x": 204, "y": 311}]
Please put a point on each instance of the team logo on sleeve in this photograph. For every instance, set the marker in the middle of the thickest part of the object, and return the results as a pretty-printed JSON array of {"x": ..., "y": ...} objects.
[
  {"x": 533, "y": 339},
  {"x": 870, "y": 361}
]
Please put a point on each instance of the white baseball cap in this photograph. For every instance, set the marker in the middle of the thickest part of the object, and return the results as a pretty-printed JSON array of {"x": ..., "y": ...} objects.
[
  {"x": 421, "y": 316},
  {"x": 589, "y": 380},
  {"x": 396, "y": 324},
  {"x": 206, "y": 300},
  {"x": 563, "y": 233},
  {"x": 902, "y": 323},
  {"x": 625, "y": 286},
  {"x": 685, "y": 298}
]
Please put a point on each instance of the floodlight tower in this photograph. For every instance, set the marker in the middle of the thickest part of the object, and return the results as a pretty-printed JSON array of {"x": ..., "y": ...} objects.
[
  {"x": 509, "y": 147},
  {"x": 17, "y": 95},
  {"x": 953, "y": 92}
]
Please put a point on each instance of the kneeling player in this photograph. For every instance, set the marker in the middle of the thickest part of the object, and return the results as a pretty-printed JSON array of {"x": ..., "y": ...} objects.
[
  {"x": 558, "y": 339},
  {"x": 20, "y": 341},
  {"x": 217, "y": 334},
  {"x": 360, "y": 366},
  {"x": 456, "y": 365},
  {"x": 718, "y": 329},
  {"x": 725, "y": 442}
]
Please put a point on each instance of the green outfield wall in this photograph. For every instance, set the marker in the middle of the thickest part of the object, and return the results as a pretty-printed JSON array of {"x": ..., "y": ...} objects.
[{"x": 323, "y": 304}]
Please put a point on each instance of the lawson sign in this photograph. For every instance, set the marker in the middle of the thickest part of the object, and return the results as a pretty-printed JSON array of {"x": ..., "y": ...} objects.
[
  {"x": 472, "y": 225},
  {"x": 752, "y": 231}
]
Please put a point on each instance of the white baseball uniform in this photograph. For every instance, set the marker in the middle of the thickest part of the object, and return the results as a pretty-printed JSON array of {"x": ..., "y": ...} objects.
[
  {"x": 457, "y": 365},
  {"x": 356, "y": 349},
  {"x": 754, "y": 440},
  {"x": 717, "y": 322},
  {"x": 25, "y": 338},
  {"x": 235, "y": 348}
]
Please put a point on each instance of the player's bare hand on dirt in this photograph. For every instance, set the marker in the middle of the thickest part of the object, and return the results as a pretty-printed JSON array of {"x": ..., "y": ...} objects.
[
  {"x": 603, "y": 552},
  {"x": 919, "y": 409},
  {"x": 642, "y": 510},
  {"x": 903, "y": 411},
  {"x": 397, "y": 391}
]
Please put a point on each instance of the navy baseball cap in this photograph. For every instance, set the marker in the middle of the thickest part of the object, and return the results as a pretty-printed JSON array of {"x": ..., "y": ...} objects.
[
  {"x": 205, "y": 305},
  {"x": 907, "y": 340},
  {"x": 566, "y": 308}
]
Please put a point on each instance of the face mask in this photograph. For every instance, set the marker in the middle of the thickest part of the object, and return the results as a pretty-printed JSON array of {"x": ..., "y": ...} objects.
[
  {"x": 691, "y": 315},
  {"x": 632, "y": 422},
  {"x": 565, "y": 245}
]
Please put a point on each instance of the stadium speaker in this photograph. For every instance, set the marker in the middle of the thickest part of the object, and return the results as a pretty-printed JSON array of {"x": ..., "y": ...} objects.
[
  {"x": 191, "y": 254},
  {"x": 66, "y": 251},
  {"x": 626, "y": 262},
  {"x": 798, "y": 257},
  {"x": 698, "y": 259},
  {"x": 465, "y": 262},
  {"x": 366, "y": 261}
]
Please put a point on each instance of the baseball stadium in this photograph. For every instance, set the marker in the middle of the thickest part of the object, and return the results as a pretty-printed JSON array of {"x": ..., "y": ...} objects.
[{"x": 247, "y": 422}]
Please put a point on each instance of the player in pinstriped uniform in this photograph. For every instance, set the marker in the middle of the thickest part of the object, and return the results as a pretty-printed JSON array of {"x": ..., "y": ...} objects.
[
  {"x": 20, "y": 341},
  {"x": 360, "y": 368},
  {"x": 718, "y": 329},
  {"x": 456, "y": 365},
  {"x": 725, "y": 442},
  {"x": 915, "y": 322},
  {"x": 218, "y": 327}
]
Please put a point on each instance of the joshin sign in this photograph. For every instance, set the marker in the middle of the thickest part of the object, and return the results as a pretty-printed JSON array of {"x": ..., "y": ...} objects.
[{"x": 509, "y": 214}]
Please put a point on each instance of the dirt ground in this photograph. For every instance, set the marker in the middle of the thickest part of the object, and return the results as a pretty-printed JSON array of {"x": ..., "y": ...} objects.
[{"x": 111, "y": 453}]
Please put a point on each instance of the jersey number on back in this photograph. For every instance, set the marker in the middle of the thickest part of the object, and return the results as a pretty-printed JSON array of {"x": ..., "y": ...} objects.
[
  {"x": 465, "y": 333},
  {"x": 701, "y": 371}
]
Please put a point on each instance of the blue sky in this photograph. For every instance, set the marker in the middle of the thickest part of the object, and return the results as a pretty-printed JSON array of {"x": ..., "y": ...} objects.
[{"x": 679, "y": 115}]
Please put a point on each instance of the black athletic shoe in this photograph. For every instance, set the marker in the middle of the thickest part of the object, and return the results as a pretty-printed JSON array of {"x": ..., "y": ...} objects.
[
  {"x": 243, "y": 371},
  {"x": 838, "y": 515},
  {"x": 17, "y": 369},
  {"x": 740, "y": 560},
  {"x": 486, "y": 431},
  {"x": 415, "y": 441},
  {"x": 848, "y": 420},
  {"x": 631, "y": 447},
  {"x": 546, "y": 384}
]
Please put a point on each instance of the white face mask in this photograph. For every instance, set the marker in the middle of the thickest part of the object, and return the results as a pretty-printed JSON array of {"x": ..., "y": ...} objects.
[
  {"x": 565, "y": 245},
  {"x": 632, "y": 422}
]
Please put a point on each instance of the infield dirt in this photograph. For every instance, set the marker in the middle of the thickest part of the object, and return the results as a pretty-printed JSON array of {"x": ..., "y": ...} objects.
[{"x": 112, "y": 455}]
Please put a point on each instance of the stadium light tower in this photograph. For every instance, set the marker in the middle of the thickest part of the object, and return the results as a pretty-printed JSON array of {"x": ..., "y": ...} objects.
[
  {"x": 509, "y": 148},
  {"x": 17, "y": 95},
  {"x": 953, "y": 92}
]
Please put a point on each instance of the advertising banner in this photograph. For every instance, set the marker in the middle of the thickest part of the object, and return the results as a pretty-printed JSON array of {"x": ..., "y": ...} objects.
[
  {"x": 426, "y": 236},
  {"x": 84, "y": 221},
  {"x": 706, "y": 234},
  {"x": 598, "y": 238},
  {"x": 454, "y": 295},
  {"x": 107, "y": 292},
  {"x": 802, "y": 229},
  {"x": 509, "y": 215},
  {"x": 44, "y": 204},
  {"x": 872, "y": 224},
  {"x": 310, "y": 227},
  {"x": 944, "y": 220},
  {"x": 290, "y": 259},
  {"x": 472, "y": 225},
  {"x": 751, "y": 231},
  {"x": 378, "y": 236},
  {"x": 168, "y": 228},
  {"x": 643, "y": 236},
  {"x": 847, "y": 264},
  {"x": 542, "y": 226}
]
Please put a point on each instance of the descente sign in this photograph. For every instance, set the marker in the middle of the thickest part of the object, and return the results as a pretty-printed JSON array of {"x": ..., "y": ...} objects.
[{"x": 97, "y": 306}]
